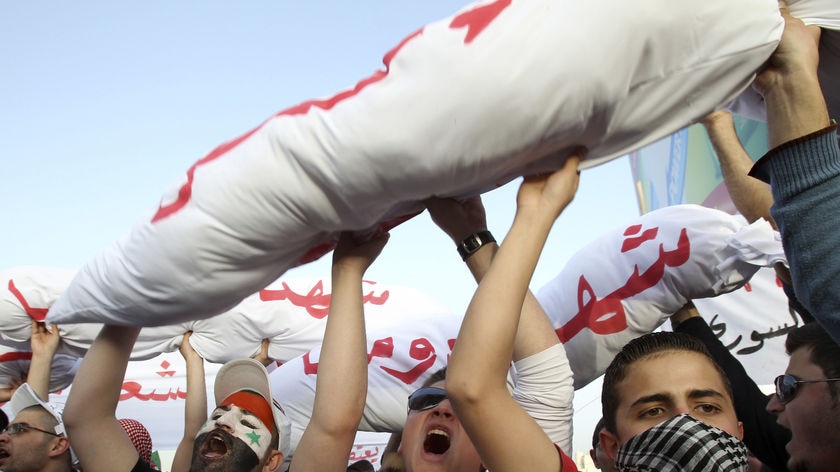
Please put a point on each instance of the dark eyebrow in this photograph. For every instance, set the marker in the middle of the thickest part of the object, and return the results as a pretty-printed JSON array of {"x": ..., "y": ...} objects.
[
  {"x": 695, "y": 394},
  {"x": 656, "y": 397}
]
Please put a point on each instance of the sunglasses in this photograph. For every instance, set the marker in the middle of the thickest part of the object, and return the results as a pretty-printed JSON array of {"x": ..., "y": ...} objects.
[
  {"x": 426, "y": 398},
  {"x": 787, "y": 386},
  {"x": 17, "y": 428}
]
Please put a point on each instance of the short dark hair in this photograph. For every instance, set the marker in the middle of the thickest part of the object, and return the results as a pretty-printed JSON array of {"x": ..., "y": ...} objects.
[
  {"x": 825, "y": 352},
  {"x": 642, "y": 347}
]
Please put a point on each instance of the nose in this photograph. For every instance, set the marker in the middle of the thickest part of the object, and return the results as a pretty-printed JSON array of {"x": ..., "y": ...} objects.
[
  {"x": 444, "y": 408},
  {"x": 226, "y": 421},
  {"x": 774, "y": 405},
  {"x": 682, "y": 410}
]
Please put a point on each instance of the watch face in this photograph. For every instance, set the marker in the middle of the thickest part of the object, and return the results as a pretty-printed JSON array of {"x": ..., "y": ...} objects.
[{"x": 472, "y": 243}]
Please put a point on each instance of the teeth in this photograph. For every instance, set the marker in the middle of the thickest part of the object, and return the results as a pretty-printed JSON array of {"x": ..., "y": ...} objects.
[{"x": 440, "y": 432}]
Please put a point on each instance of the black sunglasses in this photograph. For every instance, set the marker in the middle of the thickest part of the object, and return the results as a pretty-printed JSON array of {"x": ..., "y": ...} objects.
[
  {"x": 786, "y": 386},
  {"x": 426, "y": 398},
  {"x": 17, "y": 428}
]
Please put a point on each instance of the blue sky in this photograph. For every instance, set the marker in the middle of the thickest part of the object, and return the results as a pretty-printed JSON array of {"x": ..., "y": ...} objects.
[{"x": 104, "y": 105}]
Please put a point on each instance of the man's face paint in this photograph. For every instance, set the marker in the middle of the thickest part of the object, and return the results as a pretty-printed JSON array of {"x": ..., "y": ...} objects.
[
  {"x": 243, "y": 425},
  {"x": 219, "y": 451}
]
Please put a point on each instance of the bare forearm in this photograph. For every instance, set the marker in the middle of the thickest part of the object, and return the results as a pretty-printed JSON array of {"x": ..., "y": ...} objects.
[
  {"x": 493, "y": 315},
  {"x": 795, "y": 107},
  {"x": 341, "y": 386},
  {"x": 90, "y": 413},
  {"x": 752, "y": 197},
  {"x": 98, "y": 383},
  {"x": 39, "y": 374},
  {"x": 195, "y": 408}
]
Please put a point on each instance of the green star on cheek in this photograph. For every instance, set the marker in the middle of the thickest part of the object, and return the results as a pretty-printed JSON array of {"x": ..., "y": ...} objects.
[{"x": 254, "y": 437}]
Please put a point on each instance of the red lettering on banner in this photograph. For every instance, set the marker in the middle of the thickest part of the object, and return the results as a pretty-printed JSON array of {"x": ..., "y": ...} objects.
[
  {"x": 451, "y": 343},
  {"x": 369, "y": 453},
  {"x": 747, "y": 287},
  {"x": 15, "y": 356},
  {"x": 37, "y": 314},
  {"x": 421, "y": 349},
  {"x": 309, "y": 367},
  {"x": 634, "y": 242},
  {"x": 478, "y": 18},
  {"x": 132, "y": 390},
  {"x": 316, "y": 302},
  {"x": 607, "y": 316},
  {"x": 185, "y": 192},
  {"x": 165, "y": 372},
  {"x": 381, "y": 348}
]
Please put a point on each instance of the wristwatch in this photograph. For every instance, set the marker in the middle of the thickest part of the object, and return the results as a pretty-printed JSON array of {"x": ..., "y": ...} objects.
[{"x": 473, "y": 243}]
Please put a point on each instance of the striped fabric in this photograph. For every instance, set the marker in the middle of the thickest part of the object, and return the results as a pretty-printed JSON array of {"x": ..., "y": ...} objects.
[{"x": 683, "y": 444}]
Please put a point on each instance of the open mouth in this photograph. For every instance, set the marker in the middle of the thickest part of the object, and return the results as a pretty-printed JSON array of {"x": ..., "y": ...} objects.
[
  {"x": 437, "y": 441},
  {"x": 3, "y": 454},
  {"x": 215, "y": 446}
]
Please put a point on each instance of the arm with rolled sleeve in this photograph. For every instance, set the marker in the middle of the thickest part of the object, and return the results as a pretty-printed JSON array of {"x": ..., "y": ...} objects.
[
  {"x": 804, "y": 175},
  {"x": 544, "y": 387},
  {"x": 803, "y": 169}
]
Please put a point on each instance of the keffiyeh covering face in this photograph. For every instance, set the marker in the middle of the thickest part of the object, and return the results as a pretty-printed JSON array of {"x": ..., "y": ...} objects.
[{"x": 683, "y": 444}]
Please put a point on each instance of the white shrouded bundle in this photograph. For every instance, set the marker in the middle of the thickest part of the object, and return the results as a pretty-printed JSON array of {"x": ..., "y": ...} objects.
[
  {"x": 500, "y": 89},
  {"x": 290, "y": 313},
  {"x": 630, "y": 280}
]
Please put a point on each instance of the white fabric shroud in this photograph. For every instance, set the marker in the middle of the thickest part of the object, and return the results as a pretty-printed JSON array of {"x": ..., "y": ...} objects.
[
  {"x": 629, "y": 281},
  {"x": 14, "y": 364},
  {"x": 290, "y": 313},
  {"x": 500, "y": 89}
]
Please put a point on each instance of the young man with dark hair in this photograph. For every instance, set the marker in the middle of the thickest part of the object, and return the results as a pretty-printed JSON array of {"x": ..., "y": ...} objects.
[{"x": 668, "y": 406}]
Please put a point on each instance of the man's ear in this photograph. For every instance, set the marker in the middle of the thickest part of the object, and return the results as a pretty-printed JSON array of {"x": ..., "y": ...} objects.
[
  {"x": 609, "y": 443},
  {"x": 60, "y": 445},
  {"x": 275, "y": 460}
]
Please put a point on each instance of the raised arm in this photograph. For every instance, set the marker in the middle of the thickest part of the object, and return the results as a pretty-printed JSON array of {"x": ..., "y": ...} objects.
[
  {"x": 790, "y": 84},
  {"x": 90, "y": 413},
  {"x": 544, "y": 384},
  {"x": 752, "y": 197},
  {"x": 476, "y": 378},
  {"x": 341, "y": 386},
  {"x": 195, "y": 405},
  {"x": 803, "y": 169},
  {"x": 44, "y": 343},
  {"x": 460, "y": 220}
]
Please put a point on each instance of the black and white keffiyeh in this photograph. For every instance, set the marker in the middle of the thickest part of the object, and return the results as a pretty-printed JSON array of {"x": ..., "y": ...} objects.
[{"x": 683, "y": 444}]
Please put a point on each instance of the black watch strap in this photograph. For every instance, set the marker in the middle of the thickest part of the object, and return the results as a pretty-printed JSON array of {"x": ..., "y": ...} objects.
[{"x": 473, "y": 243}]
